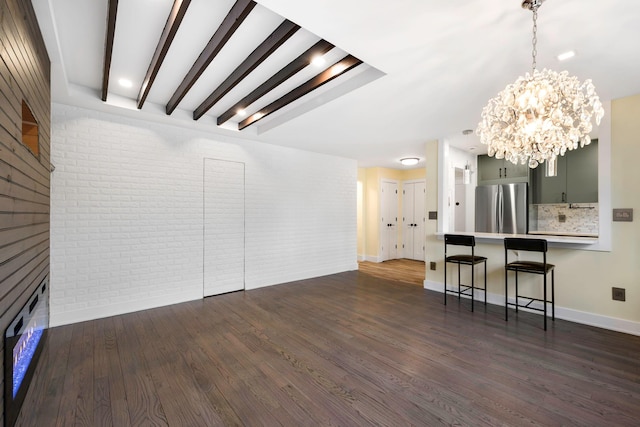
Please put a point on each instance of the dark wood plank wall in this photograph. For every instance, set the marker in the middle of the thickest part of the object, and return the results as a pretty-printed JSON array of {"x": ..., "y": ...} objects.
[{"x": 24, "y": 178}]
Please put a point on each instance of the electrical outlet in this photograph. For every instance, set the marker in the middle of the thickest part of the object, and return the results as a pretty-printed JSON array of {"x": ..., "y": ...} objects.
[
  {"x": 562, "y": 218},
  {"x": 618, "y": 294},
  {"x": 432, "y": 265}
]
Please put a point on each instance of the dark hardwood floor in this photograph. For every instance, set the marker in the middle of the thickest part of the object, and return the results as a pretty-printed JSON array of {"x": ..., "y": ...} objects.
[
  {"x": 401, "y": 270},
  {"x": 342, "y": 350}
]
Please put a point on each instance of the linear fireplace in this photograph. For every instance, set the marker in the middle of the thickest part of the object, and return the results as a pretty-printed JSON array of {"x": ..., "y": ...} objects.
[{"x": 23, "y": 343}]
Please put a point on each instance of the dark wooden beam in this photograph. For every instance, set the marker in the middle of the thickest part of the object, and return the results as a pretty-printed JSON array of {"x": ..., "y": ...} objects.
[
  {"x": 164, "y": 43},
  {"x": 230, "y": 24},
  {"x": 291, "y": 69},
  {"x": 108, "y": 46},
  {"x": 255, "y": 58},
  {"x": 337, "y": 69}
]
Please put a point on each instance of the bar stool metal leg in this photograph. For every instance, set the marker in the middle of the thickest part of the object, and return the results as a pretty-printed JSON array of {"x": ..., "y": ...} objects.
[
  {"x": 445, "y": 279},
  {"x": 506, "y": 294},
  {"x": 473, "y": 275},
  {"x": 553, "y": 298},
  {"x": 459, "y": 284},
  {"x": 516, "y": 291},
  {"x": 485, "y": 283},
  {"x": 544, "y": 301}
]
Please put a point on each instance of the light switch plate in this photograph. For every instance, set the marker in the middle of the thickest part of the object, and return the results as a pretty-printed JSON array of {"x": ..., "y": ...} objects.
[{"x": 623, "y": 215}]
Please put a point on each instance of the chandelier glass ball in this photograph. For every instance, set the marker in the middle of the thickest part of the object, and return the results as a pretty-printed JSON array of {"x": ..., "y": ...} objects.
[{"x": 540, "y": 116}]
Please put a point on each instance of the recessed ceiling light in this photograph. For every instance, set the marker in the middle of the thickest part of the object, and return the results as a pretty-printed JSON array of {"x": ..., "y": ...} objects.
[
  {"x": 566, "y": 55},
  {"x": 125, "y": 82},
  {"x": 318, "y": 61},
  {"x": 338, "y": 68},
  {"x": 410, "y": 161}
]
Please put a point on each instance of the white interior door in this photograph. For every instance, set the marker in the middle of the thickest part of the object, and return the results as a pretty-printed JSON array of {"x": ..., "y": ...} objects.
[
  {"x": 413, "y": 204},
  {"x": 419, "y": 196},
  {"x": 223, "y": 226},
  {"x": 389, "y": 220},
  {"x": 408, "y": 216}
]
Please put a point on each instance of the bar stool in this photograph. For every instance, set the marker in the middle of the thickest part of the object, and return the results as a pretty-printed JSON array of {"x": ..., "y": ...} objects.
[
  {"x": 464, "y": 259},
  {"x": 520, "y": 266}
]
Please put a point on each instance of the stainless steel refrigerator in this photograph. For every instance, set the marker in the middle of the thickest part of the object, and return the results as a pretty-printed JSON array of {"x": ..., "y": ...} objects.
[{"x": 502, "y": 208}]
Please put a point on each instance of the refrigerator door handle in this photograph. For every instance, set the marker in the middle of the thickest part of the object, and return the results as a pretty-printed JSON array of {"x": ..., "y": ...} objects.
[{"x": 500, "y": 210}]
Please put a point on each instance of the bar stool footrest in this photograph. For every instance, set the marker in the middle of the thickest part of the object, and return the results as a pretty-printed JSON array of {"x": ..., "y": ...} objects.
[{"x": 528, "y": 305}]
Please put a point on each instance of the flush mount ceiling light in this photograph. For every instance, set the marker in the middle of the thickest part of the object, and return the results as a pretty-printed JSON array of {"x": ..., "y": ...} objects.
[
  {"x": 410, "y": 161},
  {"x": 541, "y": 115}
]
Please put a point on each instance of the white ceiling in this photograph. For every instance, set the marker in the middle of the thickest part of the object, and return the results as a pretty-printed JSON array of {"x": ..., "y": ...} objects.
[{"x": 430, "y": 65}]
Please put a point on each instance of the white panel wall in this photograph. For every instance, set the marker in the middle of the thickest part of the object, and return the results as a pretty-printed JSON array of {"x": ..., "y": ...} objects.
[{"x": 127, "y": 213}]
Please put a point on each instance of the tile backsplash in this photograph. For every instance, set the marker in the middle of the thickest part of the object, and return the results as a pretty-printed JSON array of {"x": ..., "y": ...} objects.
[{"x": 578, "y": 218}]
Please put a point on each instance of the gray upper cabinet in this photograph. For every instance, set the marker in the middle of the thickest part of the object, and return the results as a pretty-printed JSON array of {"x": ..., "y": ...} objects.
[
  {"x": 500, "y": 171},
  {"x": 576, "y": 182}
]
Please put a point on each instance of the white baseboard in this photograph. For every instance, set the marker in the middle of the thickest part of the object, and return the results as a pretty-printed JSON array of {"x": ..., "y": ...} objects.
[
  {"x": 299, "y": 275},
  {"x": 370, "y": 258},
  {"x": 92, "y": 313},
  {"x": 591, "y": 319}
]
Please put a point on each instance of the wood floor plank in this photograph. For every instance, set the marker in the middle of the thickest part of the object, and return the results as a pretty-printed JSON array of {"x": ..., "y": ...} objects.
[
  {"x": 85, "y": 369},
  {"x": 345, "y": 349},
  {"x": 117, "y": 393},
  {"x": 141, "y": 395}
]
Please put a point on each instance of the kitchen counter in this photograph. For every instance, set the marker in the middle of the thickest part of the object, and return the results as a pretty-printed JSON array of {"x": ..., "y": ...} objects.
[
  {"x": 563, "y": 233},
  {"x": 555, "y": 240}
]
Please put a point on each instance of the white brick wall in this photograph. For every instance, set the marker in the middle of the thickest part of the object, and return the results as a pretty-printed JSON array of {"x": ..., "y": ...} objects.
[{"x": 127, "y": 213}]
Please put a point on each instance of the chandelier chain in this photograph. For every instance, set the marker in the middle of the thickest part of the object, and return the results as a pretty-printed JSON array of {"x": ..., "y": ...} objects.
[{"x": 534, "y": 40}]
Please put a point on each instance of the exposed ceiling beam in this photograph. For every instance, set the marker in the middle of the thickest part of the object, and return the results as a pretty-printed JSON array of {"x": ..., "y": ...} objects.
[
  {"x": 230, "y": 24},
  {"x": 164, "y": 43},
  {"x": 292, "y": 68},
  {"x": 337, "y": 69},
  {"x": 108, "y": 46},
  {"x": 276, "y": 39}
]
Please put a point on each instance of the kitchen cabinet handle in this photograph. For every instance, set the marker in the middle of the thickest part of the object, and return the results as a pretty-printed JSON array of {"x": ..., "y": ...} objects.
[
  {"x": 564, "y": 197},
  {"x": 500, "y": 172},
  {"x": 505, "y": 172}
]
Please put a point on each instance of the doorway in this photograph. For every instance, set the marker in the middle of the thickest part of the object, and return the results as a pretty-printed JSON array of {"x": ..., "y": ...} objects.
[{"x": 223, "y": 227}]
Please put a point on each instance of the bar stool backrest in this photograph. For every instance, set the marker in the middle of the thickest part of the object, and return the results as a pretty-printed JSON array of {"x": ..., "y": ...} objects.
[
  {"x": 459, "y": 239},
  {"x": 531, "y": 245}
]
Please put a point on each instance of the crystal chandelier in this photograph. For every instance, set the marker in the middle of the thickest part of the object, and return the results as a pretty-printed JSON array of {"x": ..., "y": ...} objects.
[{"x": 541, "y": 115}]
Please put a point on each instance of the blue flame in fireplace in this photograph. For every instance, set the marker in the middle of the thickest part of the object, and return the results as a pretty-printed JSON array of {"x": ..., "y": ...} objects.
[{"x": 23, "y": 352}]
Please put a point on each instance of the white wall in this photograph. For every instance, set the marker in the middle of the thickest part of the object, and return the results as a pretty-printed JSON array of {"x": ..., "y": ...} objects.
[{"x": 127, "y": 213}]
